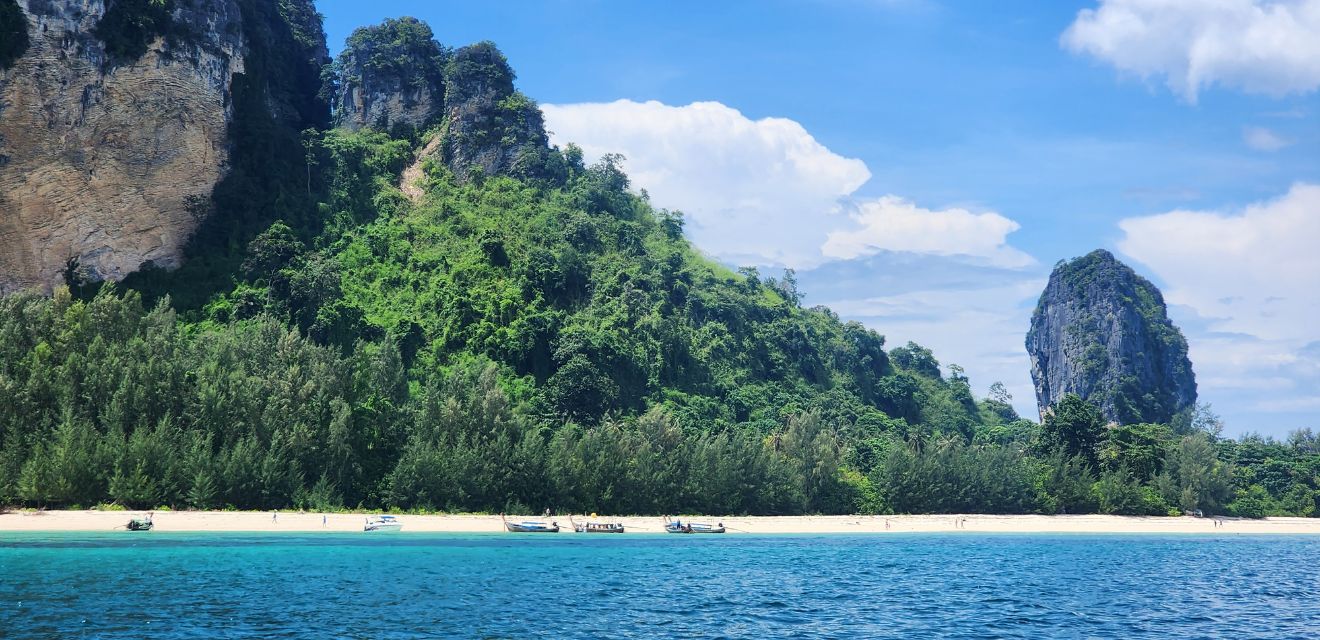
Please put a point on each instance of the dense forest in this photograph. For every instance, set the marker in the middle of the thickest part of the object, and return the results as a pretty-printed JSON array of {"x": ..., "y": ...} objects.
[{"x": 544, "y": 337}]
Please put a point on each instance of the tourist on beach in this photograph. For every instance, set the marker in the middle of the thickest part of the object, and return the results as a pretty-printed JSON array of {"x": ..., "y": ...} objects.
[
  {"x": 274, "y": 516},
  {"x": 323, "y": 520}
]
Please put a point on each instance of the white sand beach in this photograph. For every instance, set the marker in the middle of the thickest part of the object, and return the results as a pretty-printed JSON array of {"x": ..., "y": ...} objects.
[{"x": 292, "y": 521}]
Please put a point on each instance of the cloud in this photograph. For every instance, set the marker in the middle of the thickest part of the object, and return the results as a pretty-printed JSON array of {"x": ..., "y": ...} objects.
[
  {"x": 1262, "y": 139},
  {"x": 756, "y": 191},
  {"x": 891, "y": 223},
  {"x": 1243, "y": 285},
  {"x": 1259, "y": 46},
  {"x": 1255, "y": 272},
  {"x": 765, "y": 191}
]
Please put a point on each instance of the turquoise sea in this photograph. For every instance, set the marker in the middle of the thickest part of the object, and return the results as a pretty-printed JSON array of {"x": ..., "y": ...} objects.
[{"x": 160, "y": 585}]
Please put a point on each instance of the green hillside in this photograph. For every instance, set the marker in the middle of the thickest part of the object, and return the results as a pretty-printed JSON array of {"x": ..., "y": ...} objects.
[{"x": 514, "y": 343}]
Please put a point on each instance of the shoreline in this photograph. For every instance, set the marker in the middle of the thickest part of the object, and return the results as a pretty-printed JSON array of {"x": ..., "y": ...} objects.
[{"x": 309, "y": 522}]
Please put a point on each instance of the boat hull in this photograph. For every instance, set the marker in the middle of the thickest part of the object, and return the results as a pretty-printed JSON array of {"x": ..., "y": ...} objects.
[
  {"x": 383, "y": 527},
  {"x": 693, "y": 528},
  {"x": 517, "y": 528}
]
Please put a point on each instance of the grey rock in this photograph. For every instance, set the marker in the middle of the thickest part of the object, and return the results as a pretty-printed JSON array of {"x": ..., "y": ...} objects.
[
  {"x": 390, "y": 75},
  {"x": 1103, "y": 332},
  {"x": 110, "y": 163},
  {"x": 489, "y": 127}
]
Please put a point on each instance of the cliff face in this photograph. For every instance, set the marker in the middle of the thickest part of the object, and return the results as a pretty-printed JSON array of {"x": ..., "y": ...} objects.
[
  {"x": 490, "y": 128},
  {"x": 1102, "y": 332},
  {"x": 390, "y": 75},
  {"x": 394, "y": 74},
  {"x": 110, "y": 161}
]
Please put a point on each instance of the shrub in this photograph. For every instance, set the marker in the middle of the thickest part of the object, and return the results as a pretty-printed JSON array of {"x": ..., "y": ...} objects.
[
  {"x": 13, "y": 33},
  {"x": 1252, "y": 502},
  {"x": 129, "y": 26}
]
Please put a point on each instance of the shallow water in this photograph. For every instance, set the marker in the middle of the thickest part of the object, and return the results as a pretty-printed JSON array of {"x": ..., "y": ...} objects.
[{"x": 164, "y": 585}]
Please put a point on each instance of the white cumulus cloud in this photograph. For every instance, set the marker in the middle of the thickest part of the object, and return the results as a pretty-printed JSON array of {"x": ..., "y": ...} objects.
[
  {"x": 1249, "y": 283},
  {"x": 1255, "y": 272},
  {"x": 754, "y": 191},
  {"x": 765, "y": 191},
  {"x": 1259, "y": 46},
  {"x": 891, "y": 223}
]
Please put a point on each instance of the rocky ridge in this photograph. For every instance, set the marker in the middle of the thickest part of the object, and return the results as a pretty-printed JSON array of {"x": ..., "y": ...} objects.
[
  {"x": 390, "y": 75},
  {"x": 394, "y": 77},
  {"x": 1103, "y": 332}
]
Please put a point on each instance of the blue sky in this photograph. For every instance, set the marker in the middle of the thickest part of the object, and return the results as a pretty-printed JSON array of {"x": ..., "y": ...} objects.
[{"x": 923, "y": 163}]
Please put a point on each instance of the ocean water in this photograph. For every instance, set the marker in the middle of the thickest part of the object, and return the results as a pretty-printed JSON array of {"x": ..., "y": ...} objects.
[{"x": 160, "y": 585}]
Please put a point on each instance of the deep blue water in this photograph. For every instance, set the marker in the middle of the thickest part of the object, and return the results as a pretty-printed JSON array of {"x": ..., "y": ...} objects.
[{"x": 162, "y": 585}]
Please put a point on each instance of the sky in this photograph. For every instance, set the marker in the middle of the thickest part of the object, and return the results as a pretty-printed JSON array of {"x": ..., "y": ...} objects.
[{"x": 923, "y": 164}]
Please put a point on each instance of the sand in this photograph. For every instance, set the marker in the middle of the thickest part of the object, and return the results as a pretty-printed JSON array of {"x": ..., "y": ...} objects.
[{"x": 262, "y": 522}]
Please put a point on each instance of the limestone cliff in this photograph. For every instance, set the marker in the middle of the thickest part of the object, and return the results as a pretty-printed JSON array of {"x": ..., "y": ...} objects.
[
  {"x": 1101, "y": 331},
  {"x": 490, "y": 128},
  {"x": 109, "y": 160},
  {"x": 390, "y": 75},
  {"x": 395, "y": 75}
]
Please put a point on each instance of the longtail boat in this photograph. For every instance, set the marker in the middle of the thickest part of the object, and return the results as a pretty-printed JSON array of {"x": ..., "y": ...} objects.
[
  {"x": 678, "y": 526},
  {"x": 596, "y": 527},
  {"x": 139, "y": 524},
  {"x": 529, "y": 526}
]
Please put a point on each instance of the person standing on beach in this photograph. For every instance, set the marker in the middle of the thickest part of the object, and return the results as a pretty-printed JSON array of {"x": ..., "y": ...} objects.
[
  {"x": 323, "y": 521},
  {"x": 274, "y": 516}
]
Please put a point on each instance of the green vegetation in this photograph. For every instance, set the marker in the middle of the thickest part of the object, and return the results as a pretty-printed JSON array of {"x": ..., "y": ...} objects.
[
  {"x": 129, "y": 26},
  {"x": 515, "y": 342},
  {"x": 1274, "y": 478},
  {"x": 13, "y": 33},
  {"x": 504, "y": 345},
  {"x": 391, "y": 51}
]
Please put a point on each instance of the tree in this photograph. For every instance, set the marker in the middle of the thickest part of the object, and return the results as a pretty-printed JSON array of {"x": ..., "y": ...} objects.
[
  {"x": 13, "y": 34},
  {"x": 1074, "y": 426},
  {"x": 814, "y": 451},
  {"x": 917, "y": 359},
  {"x": 272, "y": 250},
  {"x": 1118, "y": 492},
  {"x": 1195, "y": 478},
  {"x": 1139, "y": 448},
  {"x": 1200, "y": 418},
  {"x": 1066, "y": 483}
]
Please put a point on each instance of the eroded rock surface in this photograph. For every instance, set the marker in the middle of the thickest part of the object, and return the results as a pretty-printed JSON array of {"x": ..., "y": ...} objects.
[
  {"x": 109, "y": 165},
  {"x": 390, "y": 76},
  {"x": 109, "y": 159},
  {"x": 1102, "y": 332}
]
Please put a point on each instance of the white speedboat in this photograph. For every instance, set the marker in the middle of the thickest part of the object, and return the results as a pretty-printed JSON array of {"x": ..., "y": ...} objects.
[{"x": 382, "y": 523}]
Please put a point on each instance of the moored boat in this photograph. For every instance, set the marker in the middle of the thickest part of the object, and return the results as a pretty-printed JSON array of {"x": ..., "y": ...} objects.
[
  {"x": 140, "y": 524},
  {"x": 596, "y": 527},
  {"x": 382, "y": 523},
  {"x": 678, "y": 526},
  {"x": 529, "y": 526}
]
